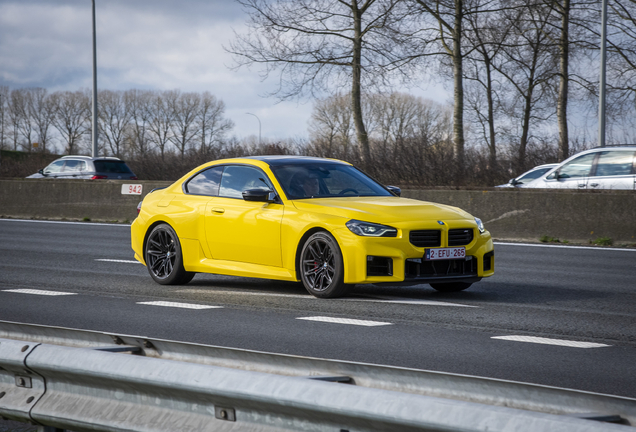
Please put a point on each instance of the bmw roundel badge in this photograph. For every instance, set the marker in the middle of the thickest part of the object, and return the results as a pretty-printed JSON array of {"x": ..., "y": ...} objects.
[{"x": 440, "y": 222}]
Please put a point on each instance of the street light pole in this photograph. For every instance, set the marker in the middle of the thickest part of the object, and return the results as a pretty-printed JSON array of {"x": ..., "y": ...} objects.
[
  {"x": 259, "y": 127},
  {"x": 601, "y": 93},
  {"x": 94, "y": 121}
]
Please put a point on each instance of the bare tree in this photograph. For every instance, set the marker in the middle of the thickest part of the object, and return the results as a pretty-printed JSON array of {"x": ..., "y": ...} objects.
[
  {"x": 160, "y": 118},
  {"x": 320, "y": 45},
  {"x": 185, "y": 109},
  {"x": 113, "y": 120},
  {"x": 529, "y": 64},
  {"x": 42, "y": 112},
  {"x": 71, "y": 117},
  {"x": 19, "y": 106},
  {"x": 139, "y": 106},
  {"x": 212, "y": 124},
  {"x": 331, "y": 127}
]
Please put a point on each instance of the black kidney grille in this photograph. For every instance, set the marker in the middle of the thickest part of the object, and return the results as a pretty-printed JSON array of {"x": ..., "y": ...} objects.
[
  {"x": 426, "y": 238},
  {"x": 460, "y": 237}
]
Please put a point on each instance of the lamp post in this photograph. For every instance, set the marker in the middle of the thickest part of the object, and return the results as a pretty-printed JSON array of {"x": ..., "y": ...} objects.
[
  {"x": 601, "y": 93},
  {"x": 94, "y": 120},
  {"x": 259, "y": 127}
]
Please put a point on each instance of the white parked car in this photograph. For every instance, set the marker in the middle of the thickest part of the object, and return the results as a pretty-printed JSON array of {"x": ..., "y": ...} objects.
[
  {"x": 528, "y": 176},
  {"x": 610, "y": 167}
]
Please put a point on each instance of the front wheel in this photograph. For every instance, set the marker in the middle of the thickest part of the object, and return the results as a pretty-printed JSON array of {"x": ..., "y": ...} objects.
[
  {"x": 321, "y": 267},
  {"x": 164, "y": 258},
  {"x": 451, "y": 286}
]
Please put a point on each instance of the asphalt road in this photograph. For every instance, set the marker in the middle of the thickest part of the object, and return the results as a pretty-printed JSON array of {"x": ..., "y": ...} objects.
[{"x": 581, "y": 299}]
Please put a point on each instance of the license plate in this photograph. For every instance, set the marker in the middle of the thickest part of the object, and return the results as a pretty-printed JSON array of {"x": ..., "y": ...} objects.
[{"x": 445, "y": 253}]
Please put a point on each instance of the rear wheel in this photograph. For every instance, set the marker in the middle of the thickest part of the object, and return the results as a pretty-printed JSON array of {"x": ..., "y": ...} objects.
[
  {"x": 451, "y": 286},
  {"x": 321, "y": 267},
  {"x": 164, "y": 258}
]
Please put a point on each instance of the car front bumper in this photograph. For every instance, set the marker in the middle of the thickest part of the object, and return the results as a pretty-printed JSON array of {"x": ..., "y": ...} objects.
[{"x": 394, "y": 260}]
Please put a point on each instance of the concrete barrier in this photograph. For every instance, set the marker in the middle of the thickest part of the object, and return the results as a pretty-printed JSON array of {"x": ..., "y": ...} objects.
[
  {"x": 99, "y": 200},
  {"x": 528, "y": 214},
  {"x": 512, "y": 214}
]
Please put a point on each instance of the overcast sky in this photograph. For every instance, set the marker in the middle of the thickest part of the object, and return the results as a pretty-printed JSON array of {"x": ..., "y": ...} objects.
[{"x": 145, "y": 44}]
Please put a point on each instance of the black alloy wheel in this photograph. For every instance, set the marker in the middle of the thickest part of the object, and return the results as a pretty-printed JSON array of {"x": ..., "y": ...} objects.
[
  {"x": 451, "y": 286},
  {"x": 321, "y": 267},
  {"x": 163, "y": 257}
]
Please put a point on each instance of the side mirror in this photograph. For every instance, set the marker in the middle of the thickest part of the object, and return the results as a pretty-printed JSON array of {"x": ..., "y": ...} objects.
[
  {"x": 260, "y": 195},
  {"x": 41, "y": 171},
  {"x": 395, "y": 190}
]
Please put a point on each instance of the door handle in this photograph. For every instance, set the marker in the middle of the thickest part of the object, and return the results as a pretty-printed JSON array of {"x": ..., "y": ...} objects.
[
  {"x": 594, "y": 184},
  {"x": 218, "y": 210},
  {"x": 582, "y": 185}
]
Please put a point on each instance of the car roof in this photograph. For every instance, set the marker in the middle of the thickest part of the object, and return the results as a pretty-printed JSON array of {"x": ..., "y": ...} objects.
[
  {"x": 90, "y": 157},
  {"x": 275, "y": 160}
]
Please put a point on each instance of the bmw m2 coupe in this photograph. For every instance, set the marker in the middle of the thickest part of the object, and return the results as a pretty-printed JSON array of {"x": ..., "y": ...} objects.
[{"x": 319, "y": 221}]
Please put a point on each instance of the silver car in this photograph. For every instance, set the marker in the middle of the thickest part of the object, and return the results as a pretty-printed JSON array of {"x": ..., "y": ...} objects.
[
  {"x": 528, "y": 176},
  {"x": 86, "y": 167},
  {"x": 609, "y": 167}
]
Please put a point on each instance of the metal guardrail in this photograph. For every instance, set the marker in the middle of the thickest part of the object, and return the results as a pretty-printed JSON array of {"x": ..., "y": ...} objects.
[{"x": 87, "y": 381}]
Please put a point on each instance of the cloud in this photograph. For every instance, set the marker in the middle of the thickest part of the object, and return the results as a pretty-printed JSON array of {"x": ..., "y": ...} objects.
[{"x": 142, "y": 44}]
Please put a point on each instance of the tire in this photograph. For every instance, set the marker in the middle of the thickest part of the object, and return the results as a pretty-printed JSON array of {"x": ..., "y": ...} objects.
[
  {"x": 321, "y": 267},
  {"x": 451, "y": 286},
  {"x": 164, "y": 259}
]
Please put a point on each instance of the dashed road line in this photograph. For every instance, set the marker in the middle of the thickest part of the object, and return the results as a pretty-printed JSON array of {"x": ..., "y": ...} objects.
[
  {"x": 119, "y": 261},
  {"x": 348, "y": 321},
  {"x": 178, "y": 305},
  {"x": 399, "y": 300},
  {"x": 39, "y": 292},
  {"x": 547, "y": 341}
]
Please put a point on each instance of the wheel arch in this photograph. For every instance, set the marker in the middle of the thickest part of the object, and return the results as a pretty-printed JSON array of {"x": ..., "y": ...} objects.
[
  {"x": 302, "y": 241},
  {"x": 147, "y": 234}
]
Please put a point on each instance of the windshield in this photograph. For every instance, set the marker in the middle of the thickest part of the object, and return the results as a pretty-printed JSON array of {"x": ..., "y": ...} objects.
[
  {"x": 533, "y": 175},
  {"x": 324, "y": 179}
]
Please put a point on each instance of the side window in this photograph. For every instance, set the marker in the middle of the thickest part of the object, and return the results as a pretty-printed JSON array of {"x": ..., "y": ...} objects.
[
  {"x": 74, "y": 166},
  {"x": 206, "y": 182},
  {"x": 239, "y": 178},
  {"x": 615, "y": 163},
  {"x": 579, "y": 167},
  {"x": 55, "y": 167}
]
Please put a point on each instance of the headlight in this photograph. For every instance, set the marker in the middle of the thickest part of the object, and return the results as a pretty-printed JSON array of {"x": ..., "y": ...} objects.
[
  {"x": 480, "y": 225},
  {"x": 369, "y": 229}
]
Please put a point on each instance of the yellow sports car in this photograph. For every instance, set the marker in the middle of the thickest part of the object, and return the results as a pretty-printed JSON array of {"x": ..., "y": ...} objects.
[{"x": 320, "y": 221}]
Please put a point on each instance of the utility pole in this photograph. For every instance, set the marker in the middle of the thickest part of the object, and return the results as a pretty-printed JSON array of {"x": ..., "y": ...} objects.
[
  {"x": 601, "y": 93},
  {"x": 94, "y": 122},
  {"x": 1, "y": 122},
  {"x": 259, "y": 127}
]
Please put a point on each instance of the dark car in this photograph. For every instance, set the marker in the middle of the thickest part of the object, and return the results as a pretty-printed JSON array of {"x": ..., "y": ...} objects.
[{"x": 86, "y": 167}]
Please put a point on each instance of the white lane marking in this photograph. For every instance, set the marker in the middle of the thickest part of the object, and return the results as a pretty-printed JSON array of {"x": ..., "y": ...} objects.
[
  {"x": 67, "y": 222},
  {"x": 179, "y": 305},
  {"x": 120, "y": 261},
  {"x": 39, "y": 292},
  {"x": 547, "y": 341},
  {"x": 398, "y": 300},
  {"x": 196, "y": 291},
  {"x": 345, "y": 321},
  {"x": 408, "y": 301},
  {"x": 566, "y": 247}
]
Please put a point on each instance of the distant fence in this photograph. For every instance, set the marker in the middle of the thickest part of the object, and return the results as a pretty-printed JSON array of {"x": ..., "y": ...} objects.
[{"x": 513, "y": 214}]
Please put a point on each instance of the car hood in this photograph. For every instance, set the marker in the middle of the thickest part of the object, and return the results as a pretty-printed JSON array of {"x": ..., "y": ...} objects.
[{"x": 384, "y": 210}]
